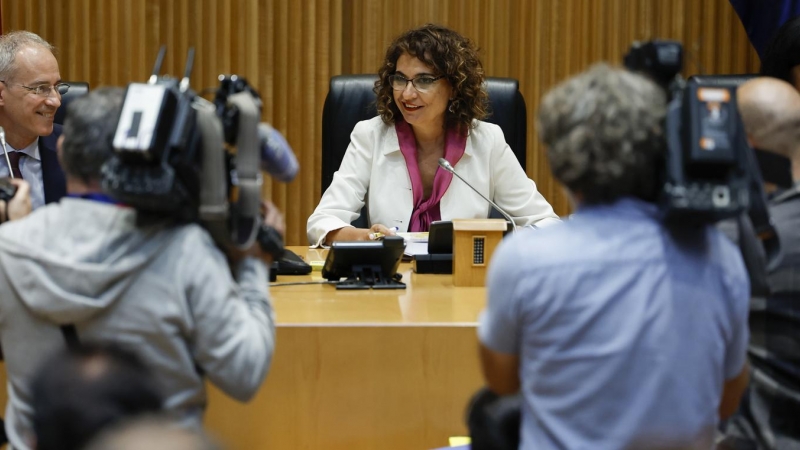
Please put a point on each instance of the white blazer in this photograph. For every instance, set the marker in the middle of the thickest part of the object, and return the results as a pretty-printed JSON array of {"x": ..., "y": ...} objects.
[{"x": 373, "y": 168}]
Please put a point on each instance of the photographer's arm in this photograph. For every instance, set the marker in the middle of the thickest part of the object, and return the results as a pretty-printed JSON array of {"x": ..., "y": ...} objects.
[
  {"x": 500, "y": 371},
  {"x": 233, "y": 337},
  {"x": 20, "y": 205},
  {"x": 235, "y": 323},
  {"x": 732, "y": 393},
  {"x": 736, "y": 368},
  {"x": 499, "y": 329}
]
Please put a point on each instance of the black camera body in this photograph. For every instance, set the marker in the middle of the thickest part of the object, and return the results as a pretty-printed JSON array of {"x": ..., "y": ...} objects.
[
  {"x": 709, "y": 171},
  {"x": 179, "y": 156},
  {"x": 706, "y": 177},
  {"x": 155, "y": 165}
]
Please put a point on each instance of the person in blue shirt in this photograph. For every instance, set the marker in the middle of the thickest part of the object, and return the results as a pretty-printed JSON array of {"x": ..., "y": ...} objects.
[{"x": 618, "y": 331}]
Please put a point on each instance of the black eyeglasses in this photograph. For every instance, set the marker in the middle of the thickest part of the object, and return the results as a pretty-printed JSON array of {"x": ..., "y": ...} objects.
[
  {"x": 44, "y": 90},
  {"x": 422, "y": 83}
]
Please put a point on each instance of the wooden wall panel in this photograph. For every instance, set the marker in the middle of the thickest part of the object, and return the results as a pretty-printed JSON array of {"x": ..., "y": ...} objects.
[
  {"x": 284, "y": 48},
  {"x": 544, "y": 41},
  {"x": 290, "y": 48}
]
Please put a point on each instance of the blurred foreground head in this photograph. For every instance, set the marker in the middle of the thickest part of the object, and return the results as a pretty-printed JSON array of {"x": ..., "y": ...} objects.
[
  {"x": 770, "y": 110},
  {"x": 604, "y": 134},
  {"x": 151, "y": 433},
  {"x": 79, "y": 392},
  {"x": 88, "y": 133}
]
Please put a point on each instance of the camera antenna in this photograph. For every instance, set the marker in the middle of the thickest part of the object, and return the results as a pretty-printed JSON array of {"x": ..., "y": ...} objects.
[
  {"x": 157, "y": 68},
  {"x": 188, "y": 70}
]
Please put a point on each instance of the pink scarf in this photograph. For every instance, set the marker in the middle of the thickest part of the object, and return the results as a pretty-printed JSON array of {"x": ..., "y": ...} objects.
[{"x": 427, "y": 211}]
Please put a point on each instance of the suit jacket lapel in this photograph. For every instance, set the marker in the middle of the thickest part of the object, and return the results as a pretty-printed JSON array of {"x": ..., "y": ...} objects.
[{"x": 55, "y": 184}]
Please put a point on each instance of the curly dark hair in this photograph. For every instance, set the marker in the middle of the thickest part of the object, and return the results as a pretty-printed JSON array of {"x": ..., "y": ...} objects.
[
  {"x": 604, "y": 134},
  {"x": 451, "y": 55}
]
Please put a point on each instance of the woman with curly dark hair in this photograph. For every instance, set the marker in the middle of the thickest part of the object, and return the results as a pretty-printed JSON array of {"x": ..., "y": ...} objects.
[{"x": 430, "y": 101}]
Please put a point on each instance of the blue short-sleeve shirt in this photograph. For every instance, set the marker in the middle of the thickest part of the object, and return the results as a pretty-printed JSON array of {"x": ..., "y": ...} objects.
[{"x": 626, "y": 332}]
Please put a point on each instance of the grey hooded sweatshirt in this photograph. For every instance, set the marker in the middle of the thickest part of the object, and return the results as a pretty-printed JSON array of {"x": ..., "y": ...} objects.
[{"x": 165, "y": 292}]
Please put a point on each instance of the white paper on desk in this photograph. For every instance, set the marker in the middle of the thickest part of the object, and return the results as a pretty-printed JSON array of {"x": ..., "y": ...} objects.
[{"x": 416, "y": 243}]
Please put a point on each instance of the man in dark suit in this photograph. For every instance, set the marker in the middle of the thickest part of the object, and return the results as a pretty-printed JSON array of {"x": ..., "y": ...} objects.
[
  {"x": 769, "y": 415},
  {"x": 30, "y": 94}
]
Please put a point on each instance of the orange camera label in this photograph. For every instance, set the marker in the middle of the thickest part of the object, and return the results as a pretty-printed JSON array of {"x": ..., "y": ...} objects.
[{"x": 716, "y": 95}]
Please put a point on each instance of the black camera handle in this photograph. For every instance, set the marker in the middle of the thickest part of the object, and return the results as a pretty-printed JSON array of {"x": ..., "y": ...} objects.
[{"x": 70, "y": 334}]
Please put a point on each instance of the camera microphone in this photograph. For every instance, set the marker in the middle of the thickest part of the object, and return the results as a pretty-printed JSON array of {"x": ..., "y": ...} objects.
[
  {"x": 277, "y": 157},
  {"x": 444, "y": 164}
]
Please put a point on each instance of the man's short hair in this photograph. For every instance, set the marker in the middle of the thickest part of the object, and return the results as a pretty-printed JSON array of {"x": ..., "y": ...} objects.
[
  {"x": 89, "y": 128},
  {"x": 11, "y": 43},
  {"x": 604, "y": 134},
  {"x": 78, "y": 392}
]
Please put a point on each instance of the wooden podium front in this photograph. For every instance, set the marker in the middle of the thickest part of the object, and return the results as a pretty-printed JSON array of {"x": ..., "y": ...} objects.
[{"x": 370, "y": 369}]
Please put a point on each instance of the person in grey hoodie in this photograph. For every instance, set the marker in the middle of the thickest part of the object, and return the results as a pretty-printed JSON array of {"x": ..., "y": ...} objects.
[{"x": 162, "y": 290}]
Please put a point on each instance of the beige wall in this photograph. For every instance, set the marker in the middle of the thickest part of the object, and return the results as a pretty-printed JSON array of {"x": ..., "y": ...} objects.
[{"x": 290, "y": 48}]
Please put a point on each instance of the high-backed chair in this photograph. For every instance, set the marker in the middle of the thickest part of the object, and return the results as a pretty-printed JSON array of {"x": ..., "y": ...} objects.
[
  {"x": 76, "y": 89},
  {"x": 351, "y": 99},
  {"x": 727, "y": 80}
]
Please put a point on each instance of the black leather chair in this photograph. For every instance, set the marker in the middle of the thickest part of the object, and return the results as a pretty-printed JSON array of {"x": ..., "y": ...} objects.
[
  {"x": 76, "y": 89},
  {"x": 351, "y": 100},
  {"x": 729, "y": 80}
]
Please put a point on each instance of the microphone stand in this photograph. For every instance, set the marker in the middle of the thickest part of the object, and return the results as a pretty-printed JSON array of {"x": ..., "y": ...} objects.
[
  {"x": 5, "y": 151},
  {"x": 444, "y": 164}
]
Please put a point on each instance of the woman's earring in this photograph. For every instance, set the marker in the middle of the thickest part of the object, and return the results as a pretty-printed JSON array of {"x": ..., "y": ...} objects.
[{"x": 452, "y": 107}]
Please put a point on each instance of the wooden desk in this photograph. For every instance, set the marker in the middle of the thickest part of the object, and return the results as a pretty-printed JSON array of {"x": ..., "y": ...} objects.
[{"x": 361, "y": 369}]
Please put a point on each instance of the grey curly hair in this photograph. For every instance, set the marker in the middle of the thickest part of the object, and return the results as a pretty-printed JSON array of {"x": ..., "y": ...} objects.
[
  {"x": 604, "y": 134},
  {"x": 89, "y": 128}
]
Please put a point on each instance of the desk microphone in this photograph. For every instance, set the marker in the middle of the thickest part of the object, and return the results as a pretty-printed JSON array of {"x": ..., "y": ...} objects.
[
  {"x": 5, "y": 151},
  {"x": 444, "y": 164}
]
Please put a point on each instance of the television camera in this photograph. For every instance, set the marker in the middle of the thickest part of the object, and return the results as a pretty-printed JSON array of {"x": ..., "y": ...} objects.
[
  {"x": 710, "y": 173},
  {"x": 180, "y": 156}
]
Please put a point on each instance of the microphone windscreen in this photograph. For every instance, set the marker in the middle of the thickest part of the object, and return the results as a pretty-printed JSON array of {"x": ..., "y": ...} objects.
[{"x": 277, "y": 157}]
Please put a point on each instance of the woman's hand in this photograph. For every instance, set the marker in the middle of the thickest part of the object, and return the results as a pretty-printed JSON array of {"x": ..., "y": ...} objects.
[
  {"x": 359, "y": 234},
  {"x": 379, "y": 230}
]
